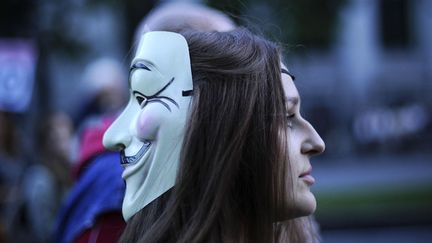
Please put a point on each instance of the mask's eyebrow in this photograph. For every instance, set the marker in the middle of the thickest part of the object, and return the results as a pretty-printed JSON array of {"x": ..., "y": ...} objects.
[
  {"x": 137, "y": 64},
  {"x": 287, "y": 72}
]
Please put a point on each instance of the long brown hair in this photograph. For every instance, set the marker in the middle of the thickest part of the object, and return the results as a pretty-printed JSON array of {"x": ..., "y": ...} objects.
[{"x": 234, "y": 171}]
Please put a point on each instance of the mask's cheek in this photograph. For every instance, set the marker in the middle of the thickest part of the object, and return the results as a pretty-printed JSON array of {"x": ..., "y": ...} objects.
[{"x": 148, "y": 124}]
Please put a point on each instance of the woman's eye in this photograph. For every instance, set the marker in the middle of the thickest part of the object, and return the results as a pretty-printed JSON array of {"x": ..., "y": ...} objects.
[{"x": 290, "y": 118}]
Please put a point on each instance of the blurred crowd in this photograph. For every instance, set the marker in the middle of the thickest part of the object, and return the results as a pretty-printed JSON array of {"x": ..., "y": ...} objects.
[
  {"x": 35, "y": 181},
  {"x": 53, "y": 166}
]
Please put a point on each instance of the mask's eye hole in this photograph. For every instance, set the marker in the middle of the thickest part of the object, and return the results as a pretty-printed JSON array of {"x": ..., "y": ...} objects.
[{"x": 141, "y": 100}]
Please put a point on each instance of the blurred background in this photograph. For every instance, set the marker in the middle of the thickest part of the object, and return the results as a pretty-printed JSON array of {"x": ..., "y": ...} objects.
[{"x": 363, "y": 69}]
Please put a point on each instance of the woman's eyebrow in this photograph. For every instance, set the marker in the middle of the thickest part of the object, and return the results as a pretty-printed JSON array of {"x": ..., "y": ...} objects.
[
  {"x": 292, "y": 102},
  {"x": 287, "y": 72}
]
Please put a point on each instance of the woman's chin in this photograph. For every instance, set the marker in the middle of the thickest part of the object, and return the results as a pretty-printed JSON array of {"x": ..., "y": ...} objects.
[{"x": 303, "y": 205}]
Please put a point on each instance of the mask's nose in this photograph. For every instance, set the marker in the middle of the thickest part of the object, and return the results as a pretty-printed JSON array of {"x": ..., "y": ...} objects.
[{"x": 118, "y": 137}]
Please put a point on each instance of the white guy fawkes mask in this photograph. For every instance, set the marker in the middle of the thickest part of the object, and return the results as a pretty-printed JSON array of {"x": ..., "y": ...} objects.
[{"x": 149, "y": 132}]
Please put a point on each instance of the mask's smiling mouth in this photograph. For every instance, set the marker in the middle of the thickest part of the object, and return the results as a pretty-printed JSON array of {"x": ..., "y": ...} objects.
[{"x": 130, "y": 160}]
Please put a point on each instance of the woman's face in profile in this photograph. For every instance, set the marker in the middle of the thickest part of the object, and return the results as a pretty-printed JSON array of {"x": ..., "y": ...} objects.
[{"x": 303, "y": 143}]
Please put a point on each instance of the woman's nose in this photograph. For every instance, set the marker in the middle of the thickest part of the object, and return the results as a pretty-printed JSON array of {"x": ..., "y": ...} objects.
[{"x": 313, "y": 144}]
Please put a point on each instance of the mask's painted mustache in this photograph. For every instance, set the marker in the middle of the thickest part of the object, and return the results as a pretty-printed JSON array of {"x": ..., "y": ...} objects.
[{"x": 130, "y": 160}]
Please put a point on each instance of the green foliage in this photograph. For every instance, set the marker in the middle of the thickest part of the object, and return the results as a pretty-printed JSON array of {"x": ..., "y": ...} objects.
[{"x": 377, "y": 205}]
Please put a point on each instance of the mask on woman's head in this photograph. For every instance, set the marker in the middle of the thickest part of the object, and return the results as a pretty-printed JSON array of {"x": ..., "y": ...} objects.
[{"x": 150, "y": 130}]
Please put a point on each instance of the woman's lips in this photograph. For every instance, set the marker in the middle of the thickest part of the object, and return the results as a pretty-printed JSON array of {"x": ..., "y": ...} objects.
[{"x": 307, "y": 177}]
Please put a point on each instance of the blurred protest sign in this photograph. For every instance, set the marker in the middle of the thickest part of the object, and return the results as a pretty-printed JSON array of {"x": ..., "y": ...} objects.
[{"x": 17, "y": 74}]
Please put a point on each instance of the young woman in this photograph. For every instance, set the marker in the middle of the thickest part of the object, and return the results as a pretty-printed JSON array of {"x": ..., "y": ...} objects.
[{"x": 213, "y": 143}]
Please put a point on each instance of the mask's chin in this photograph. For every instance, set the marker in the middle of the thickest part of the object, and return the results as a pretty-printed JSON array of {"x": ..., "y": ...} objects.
[{"x": 136, "y": 174}]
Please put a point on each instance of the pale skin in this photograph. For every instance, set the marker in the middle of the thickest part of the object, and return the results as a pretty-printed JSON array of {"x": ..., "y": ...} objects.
[{"x": 304, "y": 142}]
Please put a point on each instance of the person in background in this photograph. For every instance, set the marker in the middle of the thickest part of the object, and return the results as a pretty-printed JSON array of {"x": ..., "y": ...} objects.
[
  {"x": 32, "y": 188},
  {"x": 178, "y": 16},
  {"x": 103, "y": 89},
  {"x": 32, "y": 166},
  {"x": 46, "y": 182},
  {"x": 91, "y": 211},
  {"x": 54, "y": 139},
  {"x": 12, "y": 166}
]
